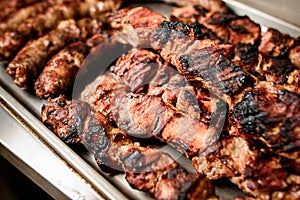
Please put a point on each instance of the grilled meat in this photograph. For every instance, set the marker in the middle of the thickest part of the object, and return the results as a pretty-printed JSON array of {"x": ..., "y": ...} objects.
[
  {"x": 7, "y": 8},
  {"x": 56, "y": 116},
  {"x": 29, "y": 62},
  {"x": 13, "y": 41},
  {"x": 144, "y": 166},
  {"x": 23, "y": 14},
  {"x": 275, "y": 44},
  {"x": 268, "y": 112},
  {"x": 60, "y": 72},
  {"x": 294, "y": 54},
  {"x": 247, "y": 57},
  {"x": 244, "y": 30},
  {"x": 137, "y": 68},
  {"x": 279, "y": 71},
  {"x": 135, "y": 22},
  {"x": 146, "y": 169}
]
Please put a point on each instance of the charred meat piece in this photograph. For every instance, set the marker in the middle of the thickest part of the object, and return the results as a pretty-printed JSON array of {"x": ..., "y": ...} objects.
[
  {"x": 275, "y": 44},
  {"x": 60, "y": 71},
  {"x": 246, "y": 56},
  {"x": 218, "y": 23},
  {"x": 279, "y": 71},
  {"x": 56, "y": 116},
  {"x": 290, "y": 160},
  {"x": 29, "y": 62},
  {"x": 179, "y": 184},
  {"x": 268, "y": 112},
  {"x": 189, "y": 15},
  {"x": 137, "y": 68},
  {"x": 113, "y": 149},
  {"x": 254, "y": 170},
  {"x": 244, "y": 30},
  {"x": 144, "y": 166},
  {"x": 137, "y": 23}
]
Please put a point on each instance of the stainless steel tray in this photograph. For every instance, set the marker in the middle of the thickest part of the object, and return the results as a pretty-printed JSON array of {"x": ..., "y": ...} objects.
[{"x": 25, "y": 108}]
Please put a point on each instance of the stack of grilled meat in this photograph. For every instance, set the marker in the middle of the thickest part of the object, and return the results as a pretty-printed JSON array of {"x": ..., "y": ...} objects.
[{"x": 205, "y": 81}]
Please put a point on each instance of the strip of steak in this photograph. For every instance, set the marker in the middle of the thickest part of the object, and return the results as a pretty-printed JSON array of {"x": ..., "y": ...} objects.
[{"x": 146, "y": 169}]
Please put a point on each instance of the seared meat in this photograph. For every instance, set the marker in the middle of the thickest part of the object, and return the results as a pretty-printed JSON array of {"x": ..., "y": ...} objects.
[
  {"x": 141, "y": 116},
  {"x": 279, "y": 71},
  {"x": 218, "y": 23},
  {"x": 275, "y": 44},
  {"x": 137, "y": 68},
  {"x": 60, "y": 72},
  {"x": 244, "y": 30},
  {"x": 56, "y": 116},
  {"x": 145, "y": 168},
  {"x": 137, "y": 23},
  {"x": 246, "y": 56},
  {"x": 29, "y": 62},
  {"x": 268, "y": 112}
]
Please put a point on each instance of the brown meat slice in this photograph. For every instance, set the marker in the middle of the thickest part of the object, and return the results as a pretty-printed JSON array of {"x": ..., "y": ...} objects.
[
  {"x": 180, "y": 184},
  {"x": 102, "y": 93},
  {"x": 246, "y": 56},
  {"x": 275, "y": 44},
  {"x": 244, "y": 30},
  {"x": 29, "y": 62},
  {"x": 137, "y": 68},
  {"x": 141, "y": 116},
  {"x": 137, "y": 23},
  {"x": 268, "y": 112},
  {"x": 56, "y": 116},
  {"x": 144, "y": 166},
  {"x": 218, "y": 22},
  {"x": 255, "y": 169}
]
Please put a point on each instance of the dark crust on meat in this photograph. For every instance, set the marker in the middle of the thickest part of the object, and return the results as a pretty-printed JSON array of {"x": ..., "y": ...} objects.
[
  {"x": 275, "y": 44},
  {"x": 268, "y": 111}
]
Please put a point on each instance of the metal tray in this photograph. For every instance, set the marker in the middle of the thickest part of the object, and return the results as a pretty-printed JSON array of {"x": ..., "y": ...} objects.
[{"x": 25, "y": 108}]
